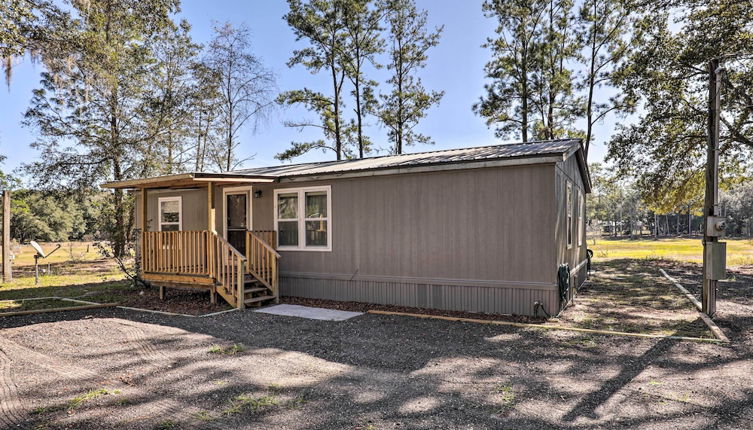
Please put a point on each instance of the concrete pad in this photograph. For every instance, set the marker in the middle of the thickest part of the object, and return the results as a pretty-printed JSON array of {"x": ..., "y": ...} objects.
[{"x": 309, "y": 312}]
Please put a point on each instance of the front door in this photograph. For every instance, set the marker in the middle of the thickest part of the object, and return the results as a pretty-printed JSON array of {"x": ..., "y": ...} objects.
[{"x": 237, "y": 219}]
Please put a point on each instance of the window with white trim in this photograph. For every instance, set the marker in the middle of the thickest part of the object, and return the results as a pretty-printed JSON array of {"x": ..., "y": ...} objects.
[
  {"x": 581, "y": 217},
  {"x": 569, "y": 215},
  {"x": 303, "y": 218},
  {"x": 170, "y": 213}
]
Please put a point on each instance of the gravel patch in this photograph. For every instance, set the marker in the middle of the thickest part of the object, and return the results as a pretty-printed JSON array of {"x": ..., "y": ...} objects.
[{"x": 113, "y": 368}]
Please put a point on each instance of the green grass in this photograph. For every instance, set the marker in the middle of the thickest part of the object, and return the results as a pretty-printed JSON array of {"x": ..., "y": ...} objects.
[
  {"x": 242, "y": 401},
  {"x": 75, "y": 270},
  {"x": 231, "y": 350},
  {"x": 739, "y": 251},
  {"x": 88, "y": 396},
  {"x": 34, "y": 305},
  {"x": 69, "y": 251},
  {"x": 75, "y": 263}
]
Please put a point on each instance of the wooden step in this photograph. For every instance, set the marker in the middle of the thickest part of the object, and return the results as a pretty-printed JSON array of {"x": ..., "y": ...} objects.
[
  {"x": 255, "y": 290},
  {"x": 258, "y": 299}
]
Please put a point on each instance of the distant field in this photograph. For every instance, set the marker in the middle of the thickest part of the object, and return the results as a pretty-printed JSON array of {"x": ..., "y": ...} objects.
[
  {"x": 75, "y": 263},
  {"x": 69, "y": 251},
  {"x": 739, "y": 251}
]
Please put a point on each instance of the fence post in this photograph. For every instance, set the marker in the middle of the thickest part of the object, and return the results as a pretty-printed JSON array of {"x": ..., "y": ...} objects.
[{"x": 7, "y": 270}]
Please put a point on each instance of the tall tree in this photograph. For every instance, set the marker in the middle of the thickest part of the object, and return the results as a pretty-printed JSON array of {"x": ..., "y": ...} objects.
[
  {"x": 510, "y": 93},
  {"x": 601, "y": 32},
  {"x": 554, "y": 99},
  {"x": 205, "y": 106},
  {"x": 666, "y": 71},
  {"x": 321, "y": 24},
  {"x": 168, "y": 108},
  {"x": 87, "y": 111},
  {"x": 406, "y": 104},
  {"x": 246, "y": 89},
  {"x": 361, "y": 22},
  {"x": 36, "y": 27}
]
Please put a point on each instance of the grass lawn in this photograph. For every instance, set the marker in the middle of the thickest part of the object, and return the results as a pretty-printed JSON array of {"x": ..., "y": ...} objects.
[
  {"x": 35, "y": 305},
  {"x": 739, "y": 251},
  {"x": 78, "y": 270}
]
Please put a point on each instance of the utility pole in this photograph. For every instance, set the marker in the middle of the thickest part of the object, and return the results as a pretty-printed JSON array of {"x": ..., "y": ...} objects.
[
  {"x": 7, "y": 271},
  {"x": 714, "y": 252}
]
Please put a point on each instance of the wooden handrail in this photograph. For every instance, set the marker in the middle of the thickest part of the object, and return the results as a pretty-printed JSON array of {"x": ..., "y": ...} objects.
[
  {"x": 196, "y": 252},
  {"x": 174, "y": 252},
  {"x": 262, "y": 261},
  {"x": 269, "y": 236},
  {"x": 265, "y": 244},
  {"x": 227, "y": 267}
]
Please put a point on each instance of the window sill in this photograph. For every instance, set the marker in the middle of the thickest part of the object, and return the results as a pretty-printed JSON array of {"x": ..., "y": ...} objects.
[{"x": 308, "y": 249}]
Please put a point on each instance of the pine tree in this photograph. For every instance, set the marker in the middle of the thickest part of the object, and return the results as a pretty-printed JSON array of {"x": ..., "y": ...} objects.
[
  {"x": 408, "y": 101},
  {"x": 510, "y": 96},
  {"x": 361, "y": 22},
  {"x": 601, "y": 31},
  {"x": 321, "y": 24}
]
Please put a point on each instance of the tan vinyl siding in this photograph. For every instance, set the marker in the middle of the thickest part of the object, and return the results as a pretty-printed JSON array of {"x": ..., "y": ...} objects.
[
  {"x": 194, "y": 208},
  {"x": 488, "y": 224},
  {"x": 567, "y": 171},
  {"x": 475, "y": 240}
]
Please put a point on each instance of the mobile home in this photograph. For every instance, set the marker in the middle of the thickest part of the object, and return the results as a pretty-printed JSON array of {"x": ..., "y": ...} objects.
[{"x": 481, "y": 229}]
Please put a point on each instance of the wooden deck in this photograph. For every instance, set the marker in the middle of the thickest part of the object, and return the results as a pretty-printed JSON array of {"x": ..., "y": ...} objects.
[{"x": 205, "y": 260}]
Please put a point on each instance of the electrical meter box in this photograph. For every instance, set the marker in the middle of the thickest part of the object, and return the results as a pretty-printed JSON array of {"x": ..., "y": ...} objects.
[
  {"x": 715, "y": 226},
  {"x": 716, "y": 260}
]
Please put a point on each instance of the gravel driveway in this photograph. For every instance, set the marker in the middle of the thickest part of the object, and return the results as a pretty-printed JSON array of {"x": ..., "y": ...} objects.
[{"x": 113, "y": 368}]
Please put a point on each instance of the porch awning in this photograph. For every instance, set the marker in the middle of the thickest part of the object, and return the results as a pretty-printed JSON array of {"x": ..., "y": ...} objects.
[{"x": 189, "y": 180}]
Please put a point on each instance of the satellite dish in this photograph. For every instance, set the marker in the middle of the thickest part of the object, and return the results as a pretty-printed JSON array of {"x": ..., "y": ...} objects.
[
  {"x": 40, "y": 254},
  {"x": 37, "y": 248}
]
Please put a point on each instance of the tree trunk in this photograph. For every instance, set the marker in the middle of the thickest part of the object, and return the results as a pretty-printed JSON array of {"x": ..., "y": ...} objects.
[
  {"x": 524, "y": 95},
  {"x": 656, "y": 226}
]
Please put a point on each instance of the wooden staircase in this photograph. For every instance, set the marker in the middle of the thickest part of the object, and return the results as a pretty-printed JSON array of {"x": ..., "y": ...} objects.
[
  {"x": 255, "y": 293},
  {"x": 261, "y": 284},
  {"x": 206, "y": 260}
]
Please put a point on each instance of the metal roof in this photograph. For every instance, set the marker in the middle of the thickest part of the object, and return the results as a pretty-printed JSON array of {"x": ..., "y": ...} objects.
[
  {"x": 549, "y": 151},
  {"x": 462, "y": 155}
]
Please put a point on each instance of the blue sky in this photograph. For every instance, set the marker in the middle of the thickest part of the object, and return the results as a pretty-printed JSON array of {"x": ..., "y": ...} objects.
[{"x": 455, "y": 66}]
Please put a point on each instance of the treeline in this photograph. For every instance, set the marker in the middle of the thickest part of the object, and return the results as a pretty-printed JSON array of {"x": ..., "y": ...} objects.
[
  {"x": 126, "y": 92},
  {"x": 558, "y": 67},
  {"x": 58, "y": 216},
  {"x": 616, "y": 207}
]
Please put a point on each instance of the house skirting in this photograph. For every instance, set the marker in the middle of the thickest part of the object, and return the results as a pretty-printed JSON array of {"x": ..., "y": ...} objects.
[{"x": 502, "y": 297}]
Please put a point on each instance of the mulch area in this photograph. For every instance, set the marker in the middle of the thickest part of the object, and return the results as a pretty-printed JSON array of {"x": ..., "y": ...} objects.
[
  {"x": 178, "y": 301},
  {"x": 365, "y": 307}
]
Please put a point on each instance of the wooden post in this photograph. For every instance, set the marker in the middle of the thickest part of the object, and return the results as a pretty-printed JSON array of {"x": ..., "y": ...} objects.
[
  {"x": 144, "y": 226},
  {"x": 144, "y": 210},
  {"x": 708, "y": 299},
  {"x": 210, "y": 207},
  {"x": 7, "y": 270}
]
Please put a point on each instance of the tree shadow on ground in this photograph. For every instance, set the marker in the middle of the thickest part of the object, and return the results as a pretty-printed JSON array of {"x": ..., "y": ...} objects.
[{"x": 373, "y": 370}]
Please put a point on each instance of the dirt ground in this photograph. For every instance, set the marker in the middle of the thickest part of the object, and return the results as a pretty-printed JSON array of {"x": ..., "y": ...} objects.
[
  {"x": 631, "y": 295},
  {"x": 113, "y": 368}
]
